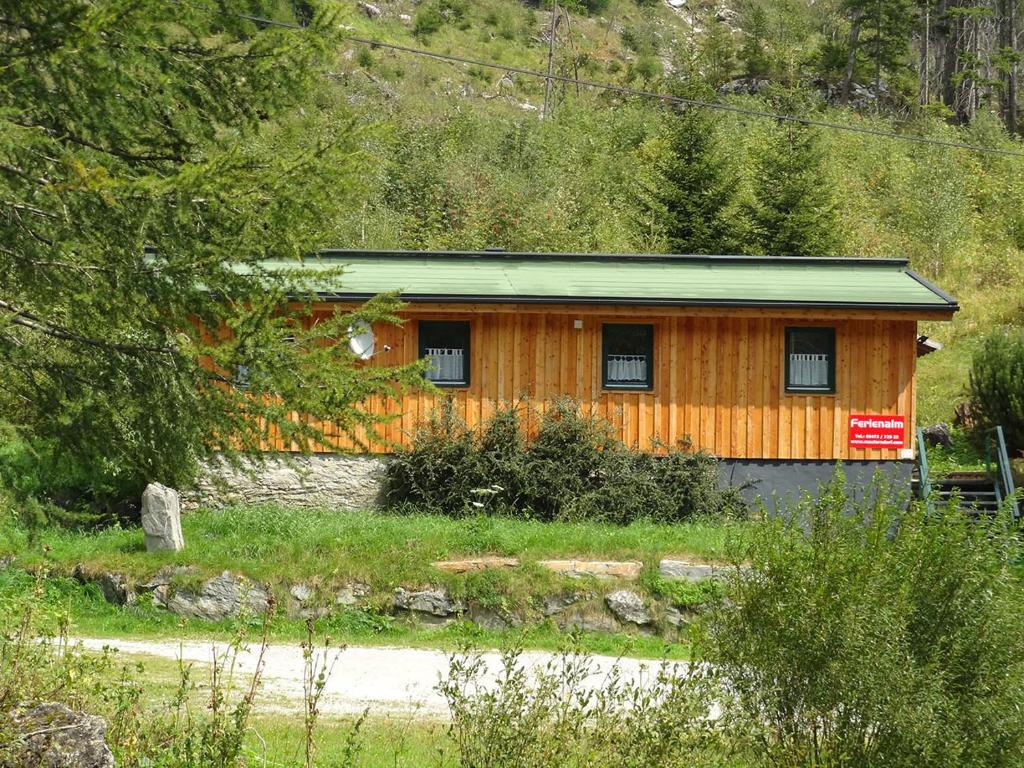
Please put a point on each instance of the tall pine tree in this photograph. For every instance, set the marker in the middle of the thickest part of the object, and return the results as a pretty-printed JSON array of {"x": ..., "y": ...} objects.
[
  {"x": 793, "y": 210},
  {"x": 692, "y": 186}
]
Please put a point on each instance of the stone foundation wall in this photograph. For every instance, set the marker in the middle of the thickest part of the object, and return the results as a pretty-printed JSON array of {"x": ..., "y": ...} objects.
[
  {"x": 355, "y": 481},
  {"x": 338, "y": 481}
]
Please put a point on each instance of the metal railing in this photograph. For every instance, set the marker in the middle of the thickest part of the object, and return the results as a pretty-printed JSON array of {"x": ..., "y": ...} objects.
[
  {"x": 924, "y": 486},
  {"x": 995, "y": 452}
]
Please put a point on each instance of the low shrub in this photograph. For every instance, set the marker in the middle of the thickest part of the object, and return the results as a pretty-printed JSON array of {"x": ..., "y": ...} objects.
[
  {"x": 858, "y": 633},
  {"x": 688, "y": 595},
  {"x": 996, "y": 387},
  {"x": 574, "y": 469},
  {"x": 554, "y": 715}
]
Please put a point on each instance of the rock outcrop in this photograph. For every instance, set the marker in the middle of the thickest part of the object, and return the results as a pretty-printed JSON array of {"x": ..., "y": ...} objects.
[
  {"x": 431, "y": 605},
  {"x": 221, "y": 597},
  {"x": 602, "y": 569},
  {"x": 352, "y": 594}
]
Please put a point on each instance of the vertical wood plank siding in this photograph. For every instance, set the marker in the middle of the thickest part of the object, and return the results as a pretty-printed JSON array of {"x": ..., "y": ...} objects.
[{"x": 718, "y": 379}]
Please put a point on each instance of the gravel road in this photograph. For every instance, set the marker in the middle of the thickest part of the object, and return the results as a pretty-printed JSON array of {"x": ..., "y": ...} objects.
[{"x": 385, "y": 680}]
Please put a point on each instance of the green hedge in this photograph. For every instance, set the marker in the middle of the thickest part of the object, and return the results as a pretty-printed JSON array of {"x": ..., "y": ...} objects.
[{"x": 574, "y": 469}]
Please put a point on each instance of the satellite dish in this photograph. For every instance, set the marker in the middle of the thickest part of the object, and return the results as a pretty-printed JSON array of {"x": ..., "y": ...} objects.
[{"x": 361, "y": 340}]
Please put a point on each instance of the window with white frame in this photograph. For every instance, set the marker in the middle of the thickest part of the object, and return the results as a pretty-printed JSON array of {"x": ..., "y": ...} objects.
[
  {"x": 627, "y": 356},
  {"x": 811, "y": 360},
  {"x": 445, "y": 345}
]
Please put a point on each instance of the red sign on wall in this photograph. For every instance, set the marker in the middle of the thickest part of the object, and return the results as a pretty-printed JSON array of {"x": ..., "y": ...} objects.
[{"x": 877, "y": 431}]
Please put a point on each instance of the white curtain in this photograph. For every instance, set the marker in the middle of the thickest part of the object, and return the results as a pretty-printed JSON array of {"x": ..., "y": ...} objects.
[
  {"x": 446, "y": 364},
  {"x": 627, "y": 368},
  {"x": 808, "y": 370}
]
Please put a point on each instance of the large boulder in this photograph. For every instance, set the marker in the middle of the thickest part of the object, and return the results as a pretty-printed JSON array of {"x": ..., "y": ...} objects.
[
  {"x": 54, "y": 736},
  {"x": 587, "y": 618},
  {"x": 161, "y": 519},
  {"x": 938, "y": 434},
  {"x": 117, "y": 588},
  {"x": 628, "y": 607},
  {"x": 221, "y": 597}
]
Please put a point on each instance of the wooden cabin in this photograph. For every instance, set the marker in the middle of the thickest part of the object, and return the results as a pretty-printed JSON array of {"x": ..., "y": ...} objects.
[{"x": 779, "y": 366}]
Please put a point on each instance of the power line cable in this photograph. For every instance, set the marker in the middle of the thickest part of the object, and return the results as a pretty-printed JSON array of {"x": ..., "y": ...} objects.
[{"x": 628, "y": 91}]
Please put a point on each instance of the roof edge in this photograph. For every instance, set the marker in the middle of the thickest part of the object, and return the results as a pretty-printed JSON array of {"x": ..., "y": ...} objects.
[
  {"x": 418, "y": 298},
  {"x": 953, "y": 303},
  {"x": 337, "y": 253}
]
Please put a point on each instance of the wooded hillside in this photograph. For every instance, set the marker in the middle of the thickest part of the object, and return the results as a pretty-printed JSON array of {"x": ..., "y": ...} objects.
[{"x": 460, "y": 155}]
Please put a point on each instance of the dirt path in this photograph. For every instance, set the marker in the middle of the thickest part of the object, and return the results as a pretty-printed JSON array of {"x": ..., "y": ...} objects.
[{"x": 385, "y": 680}]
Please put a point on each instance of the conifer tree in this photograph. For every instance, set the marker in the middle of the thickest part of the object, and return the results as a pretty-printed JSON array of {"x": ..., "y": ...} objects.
[
  {"x": 880, "y": 32},
  {"x": 692, "y": 187},
  {"x": 153, "y": 157},
  {"x": 792, "y": 212}
]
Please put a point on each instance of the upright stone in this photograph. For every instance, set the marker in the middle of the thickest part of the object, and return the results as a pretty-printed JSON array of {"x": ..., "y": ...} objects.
[{"x": 161, "y": 519}]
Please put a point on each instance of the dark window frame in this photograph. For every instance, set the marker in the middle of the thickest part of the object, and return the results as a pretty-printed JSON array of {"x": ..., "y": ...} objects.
[
  {"x": 828, "y": 332},
  {"x": 615, "y": 386},
  {"x": 464, "y": 329}
]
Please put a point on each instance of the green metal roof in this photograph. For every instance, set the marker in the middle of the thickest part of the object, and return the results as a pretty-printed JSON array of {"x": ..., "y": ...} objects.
[{"x": 488, "y": 276}]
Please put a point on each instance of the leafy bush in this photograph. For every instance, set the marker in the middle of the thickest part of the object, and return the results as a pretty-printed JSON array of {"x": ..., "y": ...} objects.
[
  {"x": 574, "y": 469},
  {"x": 428, "y": 20},
  {"x": 997, "y": 387},
  {"x": 555, "y": 715},
  {"x": 432, "y": 16},
  {"x": 862, "y": 634}
]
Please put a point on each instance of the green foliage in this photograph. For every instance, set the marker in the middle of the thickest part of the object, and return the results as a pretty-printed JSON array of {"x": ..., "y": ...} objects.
[
  {"x": 431, "y": 16},
  {"x": 573, "y": 469},
  {"x": 689, "y": 191},
  {"x": 428, "y": 20},
  {"x": 793, "y": 211},
  {"x": 592, "y": 7},
  {"x": 546, "y": 716},
  {"x": 963, "y": 453},
  {"x": 688, "y": 595},
  {"x": 996, "y": 387},
  {"x": 204, "y": 722},
  {"x": 858, "y": 633},
  {"x": 886, "y": 30},
  {"x": 753, "y": 53},
  {"x": 154, "y": 156}
]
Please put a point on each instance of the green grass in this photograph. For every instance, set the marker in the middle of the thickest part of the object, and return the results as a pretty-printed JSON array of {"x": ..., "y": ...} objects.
[
  {"x": 277, "y": 545},
  {"x": 380, "y": 741},
  {"x": 327, "y": 549}
]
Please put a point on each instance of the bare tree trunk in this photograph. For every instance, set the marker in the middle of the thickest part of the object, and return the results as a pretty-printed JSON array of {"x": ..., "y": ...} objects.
[
  {"x": 878, "y": 52},
  {"x": 949, "y": 34},
  {"x": 851, "y": 57},
  {"x": 1008, "y": 47},
  {"x": 924, "y": 87},
  {"x": 1011, "y": 86},
  {"x": 551, "y": 60}
]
